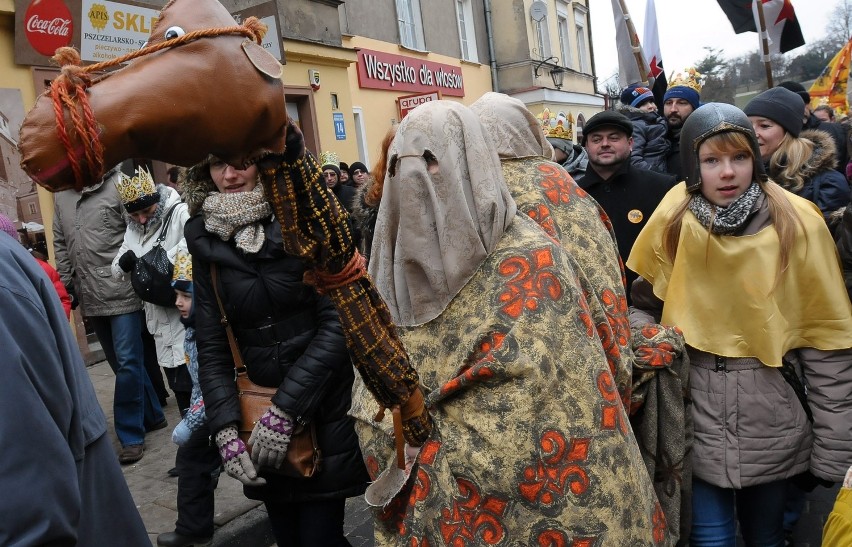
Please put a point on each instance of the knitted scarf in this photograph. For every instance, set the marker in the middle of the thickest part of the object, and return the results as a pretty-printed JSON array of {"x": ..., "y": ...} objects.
[
  {"x": 236, "y": 215},
  {"x": 726, "y": 220}
]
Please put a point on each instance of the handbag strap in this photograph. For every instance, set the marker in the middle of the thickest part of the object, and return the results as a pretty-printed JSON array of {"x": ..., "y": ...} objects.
[
  {"x": 232, "y": 341},
  {"x": 162, "y": 236}
]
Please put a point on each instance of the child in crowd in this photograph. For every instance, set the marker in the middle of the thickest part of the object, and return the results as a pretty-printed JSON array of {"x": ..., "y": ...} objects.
[
  {"x": 650, "y": 144},
  {"x": 197, "y": 460}
]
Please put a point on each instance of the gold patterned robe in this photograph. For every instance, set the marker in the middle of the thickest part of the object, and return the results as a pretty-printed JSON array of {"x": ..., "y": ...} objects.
[{"x": 531, "y": 444}]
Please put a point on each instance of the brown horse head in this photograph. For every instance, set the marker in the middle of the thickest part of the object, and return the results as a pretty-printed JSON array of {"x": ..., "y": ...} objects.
[{"x": 179, "y": 101}]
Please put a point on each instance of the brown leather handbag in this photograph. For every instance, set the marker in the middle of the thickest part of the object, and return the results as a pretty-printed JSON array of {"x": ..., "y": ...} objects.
[{"x": 304, "y": 457}]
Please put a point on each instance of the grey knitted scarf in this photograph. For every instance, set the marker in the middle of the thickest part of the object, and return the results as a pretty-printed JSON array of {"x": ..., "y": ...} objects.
[
  {"x": 727, "y": 220},
  {"x": 237, "y": 215}
]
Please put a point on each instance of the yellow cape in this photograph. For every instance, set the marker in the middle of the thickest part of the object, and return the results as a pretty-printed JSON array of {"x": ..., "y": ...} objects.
[{"x": 718, "y": 291}]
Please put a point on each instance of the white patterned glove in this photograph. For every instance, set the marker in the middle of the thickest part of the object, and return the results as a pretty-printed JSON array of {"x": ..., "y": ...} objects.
[
  {"x": 270, "y": 438},
  {"x": 235, "y": 457}
]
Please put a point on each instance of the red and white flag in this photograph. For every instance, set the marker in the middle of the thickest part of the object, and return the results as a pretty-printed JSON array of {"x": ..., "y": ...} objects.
[
  {"x": 782, "y": 26},
  {"x": 651, "y": 41}
]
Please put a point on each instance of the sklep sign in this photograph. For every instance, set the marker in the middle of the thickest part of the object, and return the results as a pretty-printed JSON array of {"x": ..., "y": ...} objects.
[{"x": 378, "y": 70}]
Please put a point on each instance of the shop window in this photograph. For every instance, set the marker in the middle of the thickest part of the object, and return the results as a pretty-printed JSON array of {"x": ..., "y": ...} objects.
[
  {"x": 467, "y": 36},
  {"x": 410, "y": 24}
]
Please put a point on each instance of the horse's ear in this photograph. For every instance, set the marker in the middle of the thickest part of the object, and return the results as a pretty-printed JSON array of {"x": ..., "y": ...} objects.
[{"x": 262, "y": 60}]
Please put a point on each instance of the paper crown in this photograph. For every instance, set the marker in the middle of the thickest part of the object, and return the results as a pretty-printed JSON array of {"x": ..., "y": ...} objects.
[
  {"x": 138, "y": 187},
  {"x": 558, "y": 126},
  {"x": 328, "y": 157},
  {"x": 688, "y": 77},
  {"x": 183, "y": 266}
]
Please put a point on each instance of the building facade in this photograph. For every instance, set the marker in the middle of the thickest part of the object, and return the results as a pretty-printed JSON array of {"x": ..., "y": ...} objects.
[{"x": 544, "y": 56}]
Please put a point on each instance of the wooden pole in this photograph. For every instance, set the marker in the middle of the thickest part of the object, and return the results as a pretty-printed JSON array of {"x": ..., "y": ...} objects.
[
  {"x": 764, "y": 40},
  {"x": 634, "y": 43}
]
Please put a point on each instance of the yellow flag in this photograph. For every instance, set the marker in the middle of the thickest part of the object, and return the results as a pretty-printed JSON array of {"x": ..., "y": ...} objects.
[{"x": 830, "y": 87}]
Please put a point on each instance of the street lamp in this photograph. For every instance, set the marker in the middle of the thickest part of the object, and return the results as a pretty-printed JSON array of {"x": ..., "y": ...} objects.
[{"x": 557, "y": 73}]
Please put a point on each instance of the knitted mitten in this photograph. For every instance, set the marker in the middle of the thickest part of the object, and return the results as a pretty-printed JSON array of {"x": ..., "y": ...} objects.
[
  {"x": 271, "y": 437},
  {"x": 235, "y": 457}
]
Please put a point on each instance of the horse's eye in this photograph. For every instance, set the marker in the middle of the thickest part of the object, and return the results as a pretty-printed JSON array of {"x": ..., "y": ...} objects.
[{"x": 174, "y": 32}]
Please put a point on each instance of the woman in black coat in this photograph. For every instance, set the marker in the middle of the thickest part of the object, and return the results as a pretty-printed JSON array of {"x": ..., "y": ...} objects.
[{"x": 289, "y": 337}]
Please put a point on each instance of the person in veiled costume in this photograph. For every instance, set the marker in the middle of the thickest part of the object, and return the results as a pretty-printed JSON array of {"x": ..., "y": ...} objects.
[
  {"x": 546, "y": 192},
  {"x": 61, "y": 480},
  {"x": 530, "y": 443}
]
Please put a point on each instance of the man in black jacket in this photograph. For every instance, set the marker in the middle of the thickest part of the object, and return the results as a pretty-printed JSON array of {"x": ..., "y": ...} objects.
[{"x": 628, "y": 194}]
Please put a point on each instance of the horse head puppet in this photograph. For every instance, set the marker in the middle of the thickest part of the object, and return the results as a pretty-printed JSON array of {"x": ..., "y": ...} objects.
[{"x": 201, "y": 85}]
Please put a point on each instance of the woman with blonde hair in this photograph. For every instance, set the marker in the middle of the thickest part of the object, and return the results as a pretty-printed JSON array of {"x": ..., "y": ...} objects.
[
  {"x": 802, "y": 162},
  {"x": 748, "y": 272}
]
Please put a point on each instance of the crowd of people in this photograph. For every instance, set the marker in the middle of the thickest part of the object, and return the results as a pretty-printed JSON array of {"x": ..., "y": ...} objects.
[{"x": 639, "y": 336}]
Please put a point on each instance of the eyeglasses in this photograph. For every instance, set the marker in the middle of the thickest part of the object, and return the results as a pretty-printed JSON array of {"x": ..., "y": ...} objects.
[
  {"x": 329, "y": 174},
  {"x": 358, "y": 172}
]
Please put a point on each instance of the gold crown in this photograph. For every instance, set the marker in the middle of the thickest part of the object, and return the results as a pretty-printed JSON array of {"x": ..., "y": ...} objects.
[
  {"x": 183, "y": 266},
  {"x": 131, "y": 189},
  {"x": 559, "y": 126},
  {"x": 688, "y": 77},
  {"x": 328, "y": 157}
]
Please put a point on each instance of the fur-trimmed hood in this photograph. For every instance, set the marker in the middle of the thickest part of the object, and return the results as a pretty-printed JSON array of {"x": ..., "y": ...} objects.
[
  {"x": 824, "y": 156},
  {"x": 197, "y": 184},
  {"x": 360, "y": 210}
]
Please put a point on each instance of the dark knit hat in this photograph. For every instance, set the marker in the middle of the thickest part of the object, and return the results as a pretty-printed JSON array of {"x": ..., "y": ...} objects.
[
  {"x": 780, "y": 105},
  {"x": 344, "y": 167},
  {"x": 357, "y": 165},
  {"x": 798, "y": 89},
  {"x": 686, "y": 93},
  {"x": 333, "y": 167},
  {"x": 636, "y": 94},
  {"x": 7, "y": 226},
  {"x": 607, "y": 118}
]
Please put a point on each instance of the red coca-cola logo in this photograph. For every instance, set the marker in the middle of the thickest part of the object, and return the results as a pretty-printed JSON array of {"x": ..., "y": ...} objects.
[{"x": 48, "y": 26}]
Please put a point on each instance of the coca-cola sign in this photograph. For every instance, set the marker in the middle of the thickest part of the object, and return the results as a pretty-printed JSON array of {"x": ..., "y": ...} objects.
[{"x": 48, "y": 25}]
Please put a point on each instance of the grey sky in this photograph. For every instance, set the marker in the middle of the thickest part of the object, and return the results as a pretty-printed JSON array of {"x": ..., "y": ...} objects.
[{"x": 686, "y": 26}]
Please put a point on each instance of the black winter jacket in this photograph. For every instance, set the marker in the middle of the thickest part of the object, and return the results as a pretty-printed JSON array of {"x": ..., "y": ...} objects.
[
  {"x": 309, "y": 363},
  {"x": 629, "y": 197}
]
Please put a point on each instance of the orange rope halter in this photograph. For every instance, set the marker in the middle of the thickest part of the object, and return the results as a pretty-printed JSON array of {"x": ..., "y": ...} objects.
[
  {"x": 74, "y": 80},
  {"x": 354, "y": 270}
]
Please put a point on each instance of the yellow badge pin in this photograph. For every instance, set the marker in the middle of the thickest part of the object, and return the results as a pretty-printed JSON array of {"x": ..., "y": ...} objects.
[{"x": 635, "y": 216}]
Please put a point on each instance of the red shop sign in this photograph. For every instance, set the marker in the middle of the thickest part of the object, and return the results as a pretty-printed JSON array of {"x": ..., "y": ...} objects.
[
  {"x": 410, "y": 102},
  {"x": 378, "y": 70},
  {"x": 48, "y": 26}
]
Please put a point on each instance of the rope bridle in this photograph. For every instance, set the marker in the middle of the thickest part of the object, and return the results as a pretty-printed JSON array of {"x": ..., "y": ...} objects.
[{"x": 70, "y": 88}]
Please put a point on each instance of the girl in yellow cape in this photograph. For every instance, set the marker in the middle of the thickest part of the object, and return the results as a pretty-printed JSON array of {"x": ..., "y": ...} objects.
[{"x": 749, "y": 273}]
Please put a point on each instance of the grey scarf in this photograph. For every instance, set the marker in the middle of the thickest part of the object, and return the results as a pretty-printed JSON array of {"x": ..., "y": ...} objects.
[
  {"x": 727, "y": 220},
  {"x": 237, "y": 215}
]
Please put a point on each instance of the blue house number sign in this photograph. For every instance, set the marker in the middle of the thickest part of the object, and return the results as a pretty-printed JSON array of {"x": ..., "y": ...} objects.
[{"x": 339, "y": 127}]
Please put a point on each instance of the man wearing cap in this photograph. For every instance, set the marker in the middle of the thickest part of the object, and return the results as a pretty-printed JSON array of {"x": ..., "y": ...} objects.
[
  {"x": 682, "y": 98},
  {"x": 810, "y": 121},
  {"x": 627, "y": 193}
]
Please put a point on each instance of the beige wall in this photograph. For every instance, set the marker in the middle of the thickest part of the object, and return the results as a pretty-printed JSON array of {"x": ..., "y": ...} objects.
[
  {"x": 380, "y": 107},
  {"x": 332, "y": 65}
]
